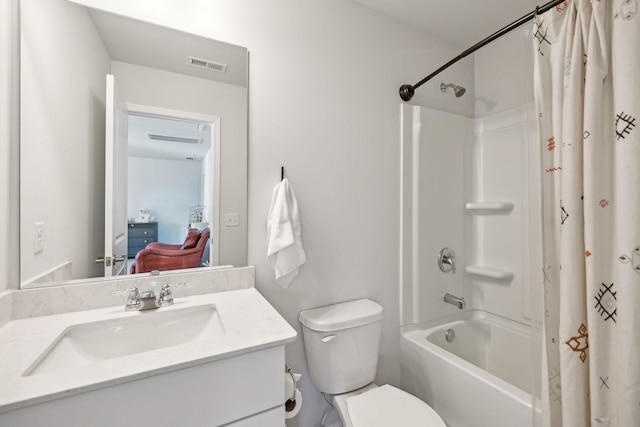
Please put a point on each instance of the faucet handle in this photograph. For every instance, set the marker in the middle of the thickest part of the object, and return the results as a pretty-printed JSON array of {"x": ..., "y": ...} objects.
[
  {"x": 446, "y": 260},
  {"x": 133, "y": 302},
  {"x": 166, "y": 298}
]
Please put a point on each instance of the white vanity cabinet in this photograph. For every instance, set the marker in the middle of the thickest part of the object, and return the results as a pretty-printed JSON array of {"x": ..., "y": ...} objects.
[
  {"x": 241, "y": 391},
  {"x": 222, "y": 365}
]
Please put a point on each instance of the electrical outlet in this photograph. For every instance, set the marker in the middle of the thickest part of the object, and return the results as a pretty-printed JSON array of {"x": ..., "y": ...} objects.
[
  {"x": 231, "y": 220},
  {"x": 38, "y": 238}
]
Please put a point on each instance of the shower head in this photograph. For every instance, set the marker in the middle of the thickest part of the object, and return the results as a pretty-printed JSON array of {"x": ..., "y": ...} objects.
[{"x": 457, "y": 90}]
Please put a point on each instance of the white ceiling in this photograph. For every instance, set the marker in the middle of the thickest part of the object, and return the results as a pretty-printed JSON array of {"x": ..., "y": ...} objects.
[
  {"x": 461, "y": 23},
  {"x": 141, "y": 145},
  {"x": 149, "y": 45}
]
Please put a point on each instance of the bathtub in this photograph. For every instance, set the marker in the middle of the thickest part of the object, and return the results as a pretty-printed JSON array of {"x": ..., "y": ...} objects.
[{"x": 483, "y": 377}]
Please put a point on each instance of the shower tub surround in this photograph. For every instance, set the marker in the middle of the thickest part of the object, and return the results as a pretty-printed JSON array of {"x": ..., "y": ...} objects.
[
  {"x": 485, "y": 213},
  {"x": 469, "y": 367},
  {"x": 232, "y": 372}
]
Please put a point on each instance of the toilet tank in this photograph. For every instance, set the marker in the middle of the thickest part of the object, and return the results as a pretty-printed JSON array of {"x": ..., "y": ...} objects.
[{"x": 341, "y": 342}]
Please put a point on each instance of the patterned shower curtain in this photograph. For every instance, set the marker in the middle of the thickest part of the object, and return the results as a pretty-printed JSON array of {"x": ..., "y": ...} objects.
[{"x": 587, "y": 91}]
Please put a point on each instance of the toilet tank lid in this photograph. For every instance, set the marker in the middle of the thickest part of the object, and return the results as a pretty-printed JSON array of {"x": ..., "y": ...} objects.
[{"x": 341, "y": 316}]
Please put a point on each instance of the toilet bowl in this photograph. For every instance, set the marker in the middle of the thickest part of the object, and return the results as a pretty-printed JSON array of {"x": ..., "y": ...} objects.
[{"x": 341, "y": 342}]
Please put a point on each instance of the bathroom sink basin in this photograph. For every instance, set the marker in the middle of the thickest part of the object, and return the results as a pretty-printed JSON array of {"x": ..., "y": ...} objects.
[{"x": 104, "y": 340}]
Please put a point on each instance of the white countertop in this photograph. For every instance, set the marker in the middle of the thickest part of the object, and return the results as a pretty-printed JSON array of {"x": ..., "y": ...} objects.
[{"x": 250, "y": 324}]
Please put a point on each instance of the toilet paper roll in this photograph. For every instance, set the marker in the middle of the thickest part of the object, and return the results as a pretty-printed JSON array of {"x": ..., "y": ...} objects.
[{"x": 292, "y": 407}]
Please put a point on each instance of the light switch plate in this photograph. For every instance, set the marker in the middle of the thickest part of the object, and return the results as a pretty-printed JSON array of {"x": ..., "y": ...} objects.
[
  {"x": 231, "y": 220},
  {"x": 38, "y": 238}
]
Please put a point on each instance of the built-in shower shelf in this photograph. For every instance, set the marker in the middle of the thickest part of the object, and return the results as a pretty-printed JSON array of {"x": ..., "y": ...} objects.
[
  {"x": 489, "y": 207},
  {"x": 492, "y": 272}
]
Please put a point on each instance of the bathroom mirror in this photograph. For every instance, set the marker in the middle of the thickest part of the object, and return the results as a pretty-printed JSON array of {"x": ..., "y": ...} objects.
[{"x": 67, "y": 50}]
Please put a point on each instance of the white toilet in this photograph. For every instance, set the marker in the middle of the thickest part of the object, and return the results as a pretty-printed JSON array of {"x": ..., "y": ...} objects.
[{"x": 342, "y": 343}]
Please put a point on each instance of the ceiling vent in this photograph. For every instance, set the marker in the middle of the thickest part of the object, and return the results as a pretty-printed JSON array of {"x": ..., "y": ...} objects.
[
  {"x": 206, "y": 64},
  {"x": 168, "y": 138}
]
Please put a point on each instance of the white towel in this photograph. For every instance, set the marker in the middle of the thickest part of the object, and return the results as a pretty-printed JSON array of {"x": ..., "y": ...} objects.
[{"x": 284, "y": 235}]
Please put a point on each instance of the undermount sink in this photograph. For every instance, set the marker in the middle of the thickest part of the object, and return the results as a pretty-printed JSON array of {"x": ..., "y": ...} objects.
[{"x": 94, "y": 342}]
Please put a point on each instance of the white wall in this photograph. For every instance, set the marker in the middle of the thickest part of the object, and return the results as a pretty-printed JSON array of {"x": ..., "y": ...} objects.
[
  {"x": 61, "y": 72},
  {"x": 208, "y": 179},
  {"x": 9, "y": 153},
  {"x": 433, "y": 173},
  {"x": 168, "y": 188},
  {"x": 324, "y": 103},
  {"x": 500, "y": 84}
]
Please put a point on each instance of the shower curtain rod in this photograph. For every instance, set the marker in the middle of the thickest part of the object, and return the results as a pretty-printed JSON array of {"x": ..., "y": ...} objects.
[{"x": 407, "y": 91}]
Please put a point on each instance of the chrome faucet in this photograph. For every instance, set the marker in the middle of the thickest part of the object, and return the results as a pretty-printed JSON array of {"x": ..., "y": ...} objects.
[
  {"x": 452, "y": 299},
  {"x": 148, "y": 301}
]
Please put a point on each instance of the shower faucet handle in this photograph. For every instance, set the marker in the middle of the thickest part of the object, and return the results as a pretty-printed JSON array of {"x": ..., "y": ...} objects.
[{"x": 446, "y": 260}]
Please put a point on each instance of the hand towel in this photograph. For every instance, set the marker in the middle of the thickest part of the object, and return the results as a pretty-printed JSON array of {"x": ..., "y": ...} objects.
[{"x": 285, "y": 253}]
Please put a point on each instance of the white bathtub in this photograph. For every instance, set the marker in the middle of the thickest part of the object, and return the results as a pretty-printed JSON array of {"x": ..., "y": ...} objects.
[{"x": 481, "y": 378}]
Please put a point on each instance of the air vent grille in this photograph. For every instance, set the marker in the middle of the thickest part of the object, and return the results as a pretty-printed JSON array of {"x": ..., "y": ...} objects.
[
  {"x": 206, "y": 64},
  {"x": 169, "y": 138}
]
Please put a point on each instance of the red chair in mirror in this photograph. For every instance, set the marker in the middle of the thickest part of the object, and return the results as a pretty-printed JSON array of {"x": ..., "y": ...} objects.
[{"x": 163, "y": 256}]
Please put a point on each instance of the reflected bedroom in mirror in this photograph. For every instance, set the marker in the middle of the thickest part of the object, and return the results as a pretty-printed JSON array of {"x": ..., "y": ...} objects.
[{"x": 133, "y": 146}]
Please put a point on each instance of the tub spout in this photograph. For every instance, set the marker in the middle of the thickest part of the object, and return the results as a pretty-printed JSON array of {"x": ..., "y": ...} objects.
[{"x": 452, "y": 299}]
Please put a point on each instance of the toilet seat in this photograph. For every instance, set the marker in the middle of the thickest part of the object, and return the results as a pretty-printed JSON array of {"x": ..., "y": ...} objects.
[{"x": 387, "y": 406}]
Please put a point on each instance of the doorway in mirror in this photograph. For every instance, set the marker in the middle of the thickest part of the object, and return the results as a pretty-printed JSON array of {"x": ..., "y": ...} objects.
[{"x": 172, "y": 168}]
